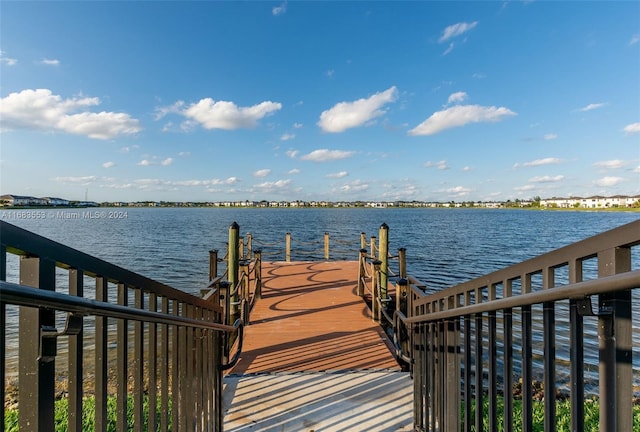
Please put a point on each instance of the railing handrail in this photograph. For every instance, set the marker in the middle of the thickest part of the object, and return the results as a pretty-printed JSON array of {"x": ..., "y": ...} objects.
[
  {"x": 22, "y": 295},
  {"x": 576, "y": 291},
  {"x": 624, "y": 236},
  {"x": 19, "y": 241}
]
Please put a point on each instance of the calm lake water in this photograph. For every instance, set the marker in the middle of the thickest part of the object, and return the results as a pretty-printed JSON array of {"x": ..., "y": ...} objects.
[{"x": 444, "y": 246}]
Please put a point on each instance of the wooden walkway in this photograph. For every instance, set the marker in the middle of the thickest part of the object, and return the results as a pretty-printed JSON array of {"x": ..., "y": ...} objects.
[{"x": 310, "y": 319}]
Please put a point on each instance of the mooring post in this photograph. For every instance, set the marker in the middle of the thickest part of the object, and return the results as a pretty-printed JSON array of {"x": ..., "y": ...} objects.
[
  {"x": 363, "y": 240},
  {"x": 361, "y": 271},
  {"x": 287, "y": 246},
  {"x": 326, "y": 246},
  {"x": 241, "y": 243},
  {"x": 373, "y": 253},
  {"x": 213, "y": 264},
  {"x": 233, "y": 265},
  {"x": 383, "y": 256}
]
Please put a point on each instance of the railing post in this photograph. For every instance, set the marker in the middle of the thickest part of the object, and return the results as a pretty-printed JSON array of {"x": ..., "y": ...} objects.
[
  {"x": 287, "y": 246},
  {"x": 363, "y": 240},
  {"x": 244, "y": 286},
  {"x": 375, "y": 291},
  {"x": 383, "y": 256},
  {"x": 213, "y": 264},
  {"x": 361, "y": 271},
  {"x": 258, "y": 272},
  {"x": 37, "y": 375},
  {"x": 249, "y": 246},
  {"x": 225, "y": 302},
  {"x": 232, "y": 264},
  {"x": 615, "y": 340},
  {"x": 241, "y": 243},
  {"x": 326, "y": 246},
  {"x": 402, "y": 263}
]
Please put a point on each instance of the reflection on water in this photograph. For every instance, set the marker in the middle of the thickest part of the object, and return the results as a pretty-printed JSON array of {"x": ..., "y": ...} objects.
[{"x": 444, "y": 246}]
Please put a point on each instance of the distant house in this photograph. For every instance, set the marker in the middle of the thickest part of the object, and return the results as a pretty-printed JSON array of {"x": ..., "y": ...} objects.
[
  {"x": 19, "y": 201},
  {"x": 56, "y": 201},
  {"x": 595, "y": 202}
]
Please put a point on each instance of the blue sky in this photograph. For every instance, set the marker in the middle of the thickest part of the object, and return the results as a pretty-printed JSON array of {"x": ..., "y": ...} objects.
[{"x": 421, "y": 100}]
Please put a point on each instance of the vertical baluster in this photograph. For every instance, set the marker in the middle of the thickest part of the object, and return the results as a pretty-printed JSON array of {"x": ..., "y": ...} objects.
[
  {"x": 576, "y": 334},
  {"x": 508, "y": 360},
  {"x": 527, "y": 361},
  {"x": 452, "y": 370},
  {"x": 467, "y": 365},
  {"x": 479, "y": 384},
  {"x": 177, "y": 366},
  {"x": 76, "y": 288},
  {"x": 549, "y": 324},
  {"x": 164, "y": 369},
  {"x": 152, "y": 389},
  {"x": 138, "y": 364},
  {"x": 101, "y": 377},
  {"x": 493, "y": 364},
  {"x": 122, "y": 361}
]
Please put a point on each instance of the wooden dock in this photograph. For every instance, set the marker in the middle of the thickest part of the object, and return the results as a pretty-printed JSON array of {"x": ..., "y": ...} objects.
[
  {"x": 314, "y": 360},
  {"x": 310, "y": 319}
]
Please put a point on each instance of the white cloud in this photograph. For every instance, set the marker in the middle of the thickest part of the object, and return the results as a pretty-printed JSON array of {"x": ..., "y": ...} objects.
[
  {"x": 632, "y": 128},
  {"x": 287, "y": 137},
  {"x": 460, "y": 115},
  {"x": 109, "y": 164},
  {"x": 346, "y": 115},
  {"x": 167, "y": 162},
  {"x": 592, "y": 107},
  {"x": 550, "y": 136},
  {"x": 610, "y": 164},
  {"x": 458, "y": 191},
  {"x": 340, "y": 174},
  {"x": 324, "y": 155},
  {"x": 457, "y": 97},
  {"x": 466, "y": 169},
  {"x": 145, "y": 162},
  {"x": 634, "y": 39},
  {"x": 7, "y": 60},
  {"x": 184, "y": 153},
  {"x": 226, "y": 115},
  {"x": 271, "y": 186},
  {"x": 449, "y": 49},
  {"x": 354, "y": 186},
  {"x": 262, "y": 173},
  {"x": 330, "y": 73},
  {"x": 41, "y": 110},
  {"x": 292, "y": 153},
  {"x": 455, "y": 30},
  {"x": 297, "y": 125},
  {"x": 50, "y": 62},
  {"x": 279, "y": 10},
  {"x": 546, "y": 179},
  {"x": 608, "y": 181},
  {"x": 294, "y": 171},
  {"x": 83, "y": 180},
  {"x": 441, "y": 165},
  {"x": 539, "y": 162},
  {"x": 524, "y": 188}
]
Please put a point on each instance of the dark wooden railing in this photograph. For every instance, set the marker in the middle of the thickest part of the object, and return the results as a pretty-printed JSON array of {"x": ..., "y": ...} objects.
[
  {"x": 126, "y": 337},
  {"x": 473, "y": 343}
]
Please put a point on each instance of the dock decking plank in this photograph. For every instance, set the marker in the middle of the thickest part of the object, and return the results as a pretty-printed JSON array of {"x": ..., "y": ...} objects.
[{"x": 310, "y": 319}]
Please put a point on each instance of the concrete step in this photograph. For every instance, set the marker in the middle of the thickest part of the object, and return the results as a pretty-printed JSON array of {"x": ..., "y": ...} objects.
[{"x": 372, "y": 401}]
